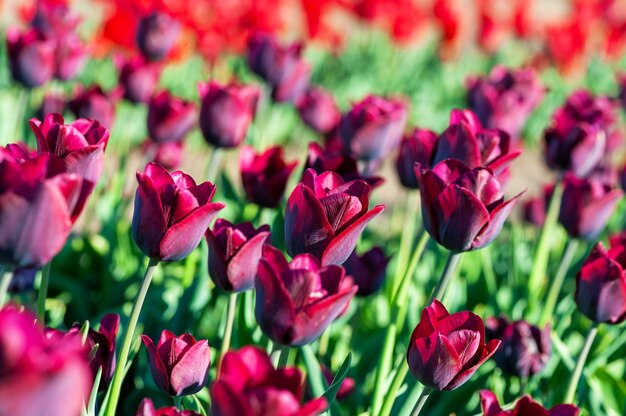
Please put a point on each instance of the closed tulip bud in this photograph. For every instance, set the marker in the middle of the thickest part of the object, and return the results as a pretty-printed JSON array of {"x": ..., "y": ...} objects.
[
  {"x": 104, "y": 338},
  {"x": 226, "y": 112},
  {"x": 525, "y": 406},
  {"x": 234, "y": 254},
  {"x": 31, "y": 57},
  {"x": 586, "y": 206},
  {"x": 446, "y": 350},
  {"x": 297, "y": 301},
  {"x": 601, "y": 284},
  {"x": 137, "y": 78},
  {"x": 172, "y": 213},
  {"x": 325, "y": 216},
  {"x": 319, "y": 111},
  {"x": 372, "y": 129},
  {"x": 525, "y": 349},
  {"x": 179, "y": 364},
  {"x": 264, "y": 176},
  {"x": 156, "y": 36},
  {"x": 463, "y": 209},
  {"x": 170, "y": 119},
  {"x": 368, "y": 270},
  {"x": 248, "y": 385},
  {"x": 146, "y": 408},
  {"x": 93, "y": 103},
  {"x": 418, "y": 146}
]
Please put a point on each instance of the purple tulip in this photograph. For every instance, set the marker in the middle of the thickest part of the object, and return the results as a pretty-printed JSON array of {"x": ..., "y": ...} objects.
[
  {"x": 319, "y": 111},
  {"x": 248, "y": 385},
  {"x": 172, "y": 213},
  {"x": 23, "y": 280},
  {"x": 525, "y": 406},
  {"x": 170, "y": 118},
  {"x": 168, "y": 154},
  {"x": 419, "y": 146},
  {"x": 156, "y": 36},
  {"x": 51, "y": 103},
  {"x": 445, "y": 350},
  {"x": 179, "y": 364},
  {"x": 54, "y": 18},
  {"x": 234, "y": 254},
  {"x": 372, "y": 129},
  {"x": 31, "y": 57},
  {"x": 146, "y": 408},
  {"x": 93, "y": 103},
  {"x": 325, "y": 216},
  {"x": 586, "y": 206},
  {"x": 226, "y": 112},
  {"x": 368, "y": 270},
  {"x": 506, "y": 98},
  {"x": 71, "y": 55},
  {"x": 138, "y": 78},
  {"x": 463, "y": 209},
  {"x": 105, "y": 338},
  {"x": 264, "y": 176},
  {"x": 297, "y": 301},
  {"x": 601, "y": 283},
  {"x": 525, "y": 349}
]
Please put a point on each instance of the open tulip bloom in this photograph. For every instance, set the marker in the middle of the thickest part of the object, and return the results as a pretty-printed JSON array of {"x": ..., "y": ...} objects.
[{"x": 525, "y": 406}]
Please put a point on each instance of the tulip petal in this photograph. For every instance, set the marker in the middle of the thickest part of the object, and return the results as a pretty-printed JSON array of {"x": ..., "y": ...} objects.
[
  {"x": 499, "y": 164},
  {"x": 612, "y": 301},
  {"x": 87, "y": 162},
  {"x": 564, "y": 410},
  {"x": 313, "y": 407},
  {"x": 148, "y": 225},
  {"x": 157, "y": 367},
  {"x": 274, "y": 309},
  {"x": 225, "y": 401},
  {"x": 431, "y": 186},
  {"x": 597, "y": 213},
  {"x": 458, "y": 142},
  {"x": 434, "y": 361},
  {"x": 462, "y": 320},
  {"x": 191, "y": 373},
  {"x": 464, "y": 375},
  {"x": 493, "y": 228},
  {"x": 489, "y": 403},
  {"x": 239, "y": 272},
  {"x": 429, "y": 321}
]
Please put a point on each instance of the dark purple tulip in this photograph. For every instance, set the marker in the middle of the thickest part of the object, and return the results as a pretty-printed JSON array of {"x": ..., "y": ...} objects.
[
  {"x": 372, "y": 129},
  {"x": 535, "y": 209},
  {"x": 31, "y": 57},
  {"x": 418, "y": 146},
  {"x": 463, "y": 209},
  {"x": 368, "y": 270},
  {"x": 622, "y": 177},
  {"x": 319, "y": 111},
  {"x": 23, "y": 280},
  {"x": 264, "y": 176},
  {"x": 179, "y": 364},
  {"x": 156, "y": 36},
  {"x": 51, "y": 103},
  {"x": 168, "y": 154},
  {"x": 71, "y": 55},
  {"x": 146, "y": 408},
  {"x": 586, "y": 206},
  {"x": 226, "y": 112},
  {"x": 172, "y": 213},
  {"x": 297, "y": 301},
  {"x": 248, "y": 385},
  {"x": 445, "y": 350},
  {"x": 525, "y": 349},
  {"x": 138, "y": 78},
  {"x": 506, "y": 98},
  {"x": 601, "y": 284},
  {"x": 348, "y": 385},
  {"x": 525, "y": 406},
  {"x": 104, "y": 337},
  {"x": 93, "y": 103},
  {"x": 54, "y": 18},
  {"x": 170, "y": 118},
  {"x": 325, "y": 216},
  {"x": 234, "y": 254}
]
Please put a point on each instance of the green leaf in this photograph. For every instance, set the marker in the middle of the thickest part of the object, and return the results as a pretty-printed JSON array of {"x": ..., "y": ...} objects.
[{"x": 341, "y": 374}]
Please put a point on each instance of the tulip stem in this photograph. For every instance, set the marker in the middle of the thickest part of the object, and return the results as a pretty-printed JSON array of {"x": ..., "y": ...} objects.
[
  {"x": 5, "y": 281},
  {"x": 421, "y": 401},
  {"x": 313, "y": 371},
  {"x": 446, "y": 276},
  {"x": 43, "y": 293},
  {"x": 559, "y": 279},
  {"x": 178, "y": 402},
  {"x": 228, "y": 329},
  {"x": 396, "y": 383},
  {"x": 129, "y": 335},
  {"x": 283, "y": 358},
  {"x": 213, "y": 165},
  {"x": 406, "y": 240},
  {"x": 578, "y": 370}
]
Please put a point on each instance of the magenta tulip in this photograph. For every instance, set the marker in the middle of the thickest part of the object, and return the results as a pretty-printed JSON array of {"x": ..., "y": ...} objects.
[
  {"x": 168, "y": 154},
  {"x": 51, "y": 103},
  {"x": 319, "y": 111},
  {"x": 170, "y": 119},
  {"x": 146, "y": 408},
  {"x": 31, "y": 57},
  {"x": 157, "y": 35},
  {"x": 525, "y": 406},
  {"x": 104, "y": 338},
  {"x": 368, "y": 270},
  {"x": 419, "y": 146},
  {"x": 95, "y": 104},
  {"x": 138, "y": 78}
]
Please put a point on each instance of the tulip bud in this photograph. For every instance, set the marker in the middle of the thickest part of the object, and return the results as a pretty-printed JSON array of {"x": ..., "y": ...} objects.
[
  {"x": 445, "y": 350},
  {"x": 138, "y": 78},
  {"x": 234, "y": 254},
  {"x": 104, "y": 338},
  {"x": 31, "y": 57},
  {"x": 368, "y": 270},
  {"x": 146, "y": 408},
  {"x": 248, "y": 384},
  {"x": 93, "y": 103},
  {"x": 157, "y": 34},
  {"x": 172, "y": 213},
  {"x": 525, "y": 406},
  {"x": 319, "y": 111},
  {"x": 297, "y": 301},
  {"x": 179, "y": 364},
  {"x": 170, "y": 119},
  {"x": 226, "y": 112},
  {"x": 264, "y": 176},
  {"x": 418, "y": 146}
]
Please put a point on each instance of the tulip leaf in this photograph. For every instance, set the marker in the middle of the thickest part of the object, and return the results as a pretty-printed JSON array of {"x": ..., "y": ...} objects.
[{"x": 341, "y": 374}]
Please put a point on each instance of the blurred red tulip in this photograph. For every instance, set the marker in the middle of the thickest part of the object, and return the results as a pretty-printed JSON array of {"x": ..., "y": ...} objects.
[
  {"x": 157, "y": 34},
  {"x": 170, "y": 119},
  {"x": 138, "y": 78},
  {"x": 417, "y": 147},
  {"x": 31, "y": 57},
  {"x": 146, "y": 408},
  {"x": 319, "y": 111},
  {"x": 93, "y": 103}
]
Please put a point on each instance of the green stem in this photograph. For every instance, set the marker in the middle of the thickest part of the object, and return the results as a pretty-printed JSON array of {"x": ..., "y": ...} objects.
[
  {"x": 421, "y": 401},
  {"x": 406, "y": 240},
  {"x": 129, "y": 335},
  {"x": 397, "y": 381},
  {"x": 230, "y": 321},
  {"x": 578, "y": 370},
  {"x": 400, "y": 298},
  {"x": 5, "y": 281},
  {"x": 490, "y": 277},
  {"x": 313, "y": 371},
  {"x": 283, "y": 358},
  {"x": 384, "y": 367},
  {"x": 323, "y": 344},
  {"x": 446, "y": 276},
  {"x": 43, "y": 293},
  {"x": 213, "y": 165},
  {"x": 559, "y": 279}
]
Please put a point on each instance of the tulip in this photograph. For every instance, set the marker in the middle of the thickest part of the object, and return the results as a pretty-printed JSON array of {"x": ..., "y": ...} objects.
[
  {"x": 168, "y": 154},
  {"x": 93, "y": 103},
  {"x": 146, "y": 408},
  {"x": 23, "y": 280},
  {"x": 601, "y": 284},
  {"x": 31, "y": 57},
  {"x": 179, "y": 364},
  {"x": 586, "y": 206},
  {"x": 368, "y": 270},
  {"x": 319, "y": 111},
  {"x": 51, "y": 103},
  {"x": 525, "y": 406},
  {"x": 172, "y": 213},
  {"x": 346, "y": 388},
  {"x": 506, "y": 98},
  {"x": 418, "y": 146},
  {"x": 170, "y": 119},
  {"x": 579, "y": 151},
  {"x": 372, "y": 129},
  {"x": 325, "y": 216},
  {"x": 264, "y": 176},
  {"x": 104, "y": 338},
  {"x": 54, "y": 18},
  {"x": 296, "y": 301},
  {"x": 234, "y": 254},
  {"x": 248, "y": 385},
  {"x": 463, "y": 209},
  {"x": 138, "y": 78},
  {"x": 445, "y": 350},
  {"x": 71, "y": 55},
  {"x": 226, "y": 112},
  {"x": 525, "y": 349},
  {"x": 156, "y": 36}
]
